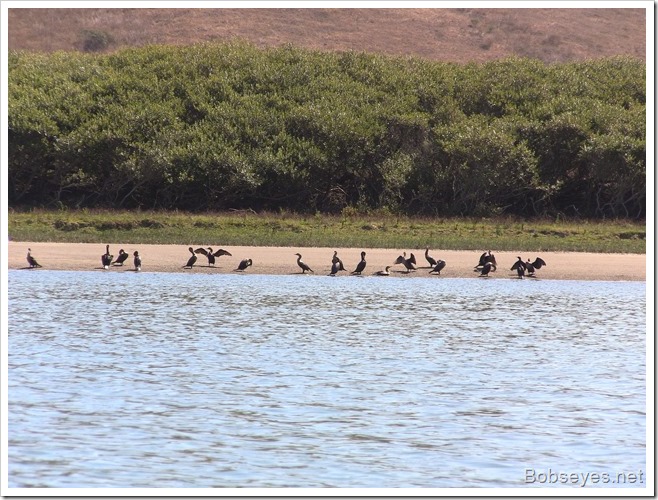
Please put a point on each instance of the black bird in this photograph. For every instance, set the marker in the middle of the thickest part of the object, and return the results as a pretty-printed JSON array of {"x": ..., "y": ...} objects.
[
  {"x": 302, "y": 265},
  {"x": 440, "y": 264},
  {"x": 244, "y": 264},
  {"x": 408, "y": 263},
  {"x": 530, "y": 269},
  {"x": 487, "y": 268},
  {"x": 335, "y": 267},
  {"x": 31, "y": 260},
  {"x": 137, "y": 261},
  {"x": 527, "y": 267},
  {"x": 385, "y": 272},
  {"x": 106, "y": 258},
  {"x": 361, "y": 265},
  {"x": 211, "y": 256},
  {"x": 519, "y": 266},
  {"x": 430, "y": 260},
  {"x": 485, "y": 258},
  {"x": 336, "y": 260},
  {"x": 538, "y": 263},
  {"x": 121, "y": 258},
  {"x": 191, "y": 260}
]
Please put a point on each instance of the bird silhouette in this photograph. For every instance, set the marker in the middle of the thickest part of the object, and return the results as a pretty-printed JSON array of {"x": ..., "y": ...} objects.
[
  {"x": 106, "y": 258},
  {"x": 137, "y": 261},
  {"x": 487, "y": 268},
  {"x": 244, "y": 264},
  {"x": 430, "y": 260},
  {"x": 31, "y": 260},
  {"x": 361, "y": 265},
  {"x": 211, "y": 255},
  {"x": 121, "y": 258},
  {"x": 191, "y": 261},
  {"x": 485, "y": 258},
  {"x": 440, "y": 264},
  {"x": 302, "y": 265},
  {"x": 336, "y": 260},
  {"x": 409, "y": 263}
]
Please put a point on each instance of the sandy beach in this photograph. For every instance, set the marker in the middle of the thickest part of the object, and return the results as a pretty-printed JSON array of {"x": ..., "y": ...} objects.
[{"x": 282, "y": 260}]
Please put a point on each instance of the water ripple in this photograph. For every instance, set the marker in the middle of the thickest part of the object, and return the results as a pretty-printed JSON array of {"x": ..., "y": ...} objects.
[{"x": 280, "y": 381}]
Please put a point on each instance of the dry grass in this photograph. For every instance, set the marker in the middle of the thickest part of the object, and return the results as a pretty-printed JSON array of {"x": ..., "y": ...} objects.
[{"x": 458, "y": 35}]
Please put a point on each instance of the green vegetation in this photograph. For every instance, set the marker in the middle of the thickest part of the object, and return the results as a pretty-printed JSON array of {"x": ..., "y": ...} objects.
[
  {"x": 377, "y": 230},
  {"x": 216, "y": 127}
]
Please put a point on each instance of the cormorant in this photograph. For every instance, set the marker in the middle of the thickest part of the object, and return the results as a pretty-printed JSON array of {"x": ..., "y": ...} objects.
[
  {"x": 527, "y": 267},
  {"x": 121, "y": 258},
  {"x": 519, "y": 266},
  {"x": 244, "y": 264},
  {"x": 430, "y": 260},
  {"x": 485, "y": 258},
  {"x": 408, "y": 263},
  {"x": 385, "y": 272},
  {"x": 211, "y": 256},
  {"x": 361, "y": 265},
  {"x": 31, "y": 260},
  {"x": 302, "y": 265},
  {"x": 336, "y": 260},
  {"x": 191, "y": 260},
  {"x": 137, "y": 261},
  {"x": 335, "y": 267},
  {"x": 440, "y": 264},
  {"x": 487, "y": 268},
  {"x": 538, "y": 263},
  {"x": 106, "y": 258}
]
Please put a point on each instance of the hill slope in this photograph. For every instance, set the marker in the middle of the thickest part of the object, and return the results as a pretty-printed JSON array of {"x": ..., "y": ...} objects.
[{"x": 456, "y": 35}]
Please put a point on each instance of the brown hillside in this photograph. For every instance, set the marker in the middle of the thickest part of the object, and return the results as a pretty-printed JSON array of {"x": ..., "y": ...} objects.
[{"x": 459, "y": 35}]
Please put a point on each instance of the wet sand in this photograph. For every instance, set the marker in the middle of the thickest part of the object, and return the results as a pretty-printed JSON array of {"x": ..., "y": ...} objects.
[{"x": 281, "y": 260}]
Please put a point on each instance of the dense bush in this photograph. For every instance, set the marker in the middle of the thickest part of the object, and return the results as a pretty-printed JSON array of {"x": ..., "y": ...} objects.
[{"x": 234, "y": 126}]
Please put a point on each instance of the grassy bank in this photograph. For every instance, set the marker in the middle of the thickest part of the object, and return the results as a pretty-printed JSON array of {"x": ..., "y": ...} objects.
[{"x": 348, "y": 230}]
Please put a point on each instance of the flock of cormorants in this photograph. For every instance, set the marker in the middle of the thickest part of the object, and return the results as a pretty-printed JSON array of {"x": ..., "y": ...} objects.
[{"x": 486, "y": 263}]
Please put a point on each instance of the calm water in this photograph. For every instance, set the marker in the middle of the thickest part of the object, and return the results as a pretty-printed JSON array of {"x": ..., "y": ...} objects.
[{"x": 126, "y": 379}]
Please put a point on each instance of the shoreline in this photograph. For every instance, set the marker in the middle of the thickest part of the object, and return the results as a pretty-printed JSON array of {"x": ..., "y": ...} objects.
[{"x": 282, "y": 261}]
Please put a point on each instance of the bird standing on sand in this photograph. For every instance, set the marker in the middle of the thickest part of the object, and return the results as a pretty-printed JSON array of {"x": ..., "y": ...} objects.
[
  {"x": 440, "y": 264},
  {"x": 408, "y": 263},
  {"x": 486, "y": 269},
  {"x": 191, "y": 260},
  {"x": 137, "y": 261},
  {"x": 106, "y": 258},
  {"x": 527, "y": 267},
  {"x": 361, "y": 265},
  {"x": 31, "y": 260},
  {"x": 519, "y": 263},
  {"x": 302, "y": 265},
  {"x": 211, "y": 256},
  {"x": 530, "y": 267},
  {"x": 519, "y": 267},
  {"x": 336, "y": 260},
  {"x": 538, "y": 263},
  {"x": 430, "y": 260},
  {"x": 486, "y": 257},
  {"x": 121, "y": 258},
  {"x": 244, "y": 264}
]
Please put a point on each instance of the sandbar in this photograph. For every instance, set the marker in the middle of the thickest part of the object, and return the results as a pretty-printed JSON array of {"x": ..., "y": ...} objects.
[{"x": 282, "y": 261}]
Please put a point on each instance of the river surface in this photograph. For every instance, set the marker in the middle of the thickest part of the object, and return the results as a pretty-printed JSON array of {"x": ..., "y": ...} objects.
[{"x": 156, "y": 380}]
